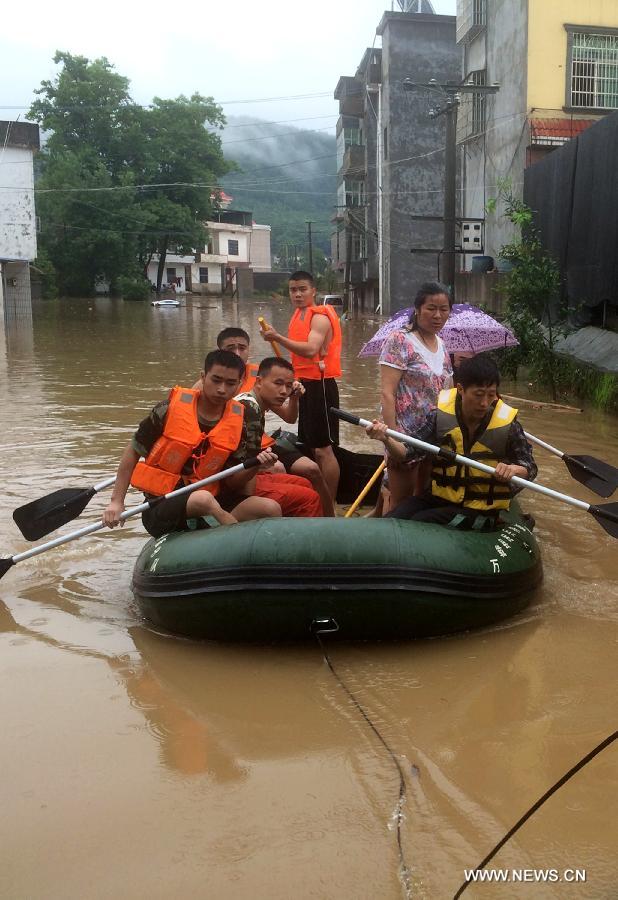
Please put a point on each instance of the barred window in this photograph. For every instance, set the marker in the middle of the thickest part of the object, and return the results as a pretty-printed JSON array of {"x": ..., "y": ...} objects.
[
  {"x": 594, "y": 70},
  {"x": 359, "y": 246},
  {"x": 232, "y": 248},
  {"x": 348, "y": 137},
  {"x": 478, "y": 104},
  {"x": 351, "y": 193},
  {"x": 203, "y": 274}
]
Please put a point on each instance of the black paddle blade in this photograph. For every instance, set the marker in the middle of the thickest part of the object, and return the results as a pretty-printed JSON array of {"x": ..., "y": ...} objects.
[
  {"x": 38, "y": 518},
  {"x": 5, "y": 565},
  {"x": 607, "y": 516},
  {"x": 595, "y": 474}
]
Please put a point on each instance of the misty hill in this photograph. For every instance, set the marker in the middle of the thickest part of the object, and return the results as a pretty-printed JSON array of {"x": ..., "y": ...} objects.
[{"x": 287, "y": 178}]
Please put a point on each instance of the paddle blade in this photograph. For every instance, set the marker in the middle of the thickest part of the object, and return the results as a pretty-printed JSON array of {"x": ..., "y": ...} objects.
[
  {"x": 595, "y": 474},
  {"x": 607, "y": 516},
  {"x": 5, "y": 565},
  {"x": 40, "y": 517}
]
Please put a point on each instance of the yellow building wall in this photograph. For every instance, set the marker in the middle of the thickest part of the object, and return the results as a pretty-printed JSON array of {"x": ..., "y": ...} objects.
[{"x": 547, "y": 46}]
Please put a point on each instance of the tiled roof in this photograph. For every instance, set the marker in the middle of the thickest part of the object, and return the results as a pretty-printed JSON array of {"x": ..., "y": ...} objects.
[{"x": 559, "y": 130}]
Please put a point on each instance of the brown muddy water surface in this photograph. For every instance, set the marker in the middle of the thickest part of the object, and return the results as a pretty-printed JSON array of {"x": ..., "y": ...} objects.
[{"x": 137, "y": 764}]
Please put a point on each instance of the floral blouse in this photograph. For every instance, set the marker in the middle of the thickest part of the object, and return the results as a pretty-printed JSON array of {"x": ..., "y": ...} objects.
[{"x": 424, "y": 375}]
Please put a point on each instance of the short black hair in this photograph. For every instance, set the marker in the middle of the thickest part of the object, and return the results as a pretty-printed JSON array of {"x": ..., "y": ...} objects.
[
  {"x": 271, "y": 361},
  {"x": 232, "y": 333},
  {"x": 224, "y": 358},
  {"x": 479, "y": 371},
  {"x": 302, "y": 276}
]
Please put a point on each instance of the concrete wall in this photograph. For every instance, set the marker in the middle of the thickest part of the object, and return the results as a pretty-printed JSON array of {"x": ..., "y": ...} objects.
[
  {"x": 260, "y": 249},
  {"x": 15, "y": 290},
  {"x": 222, "y": 236},
  {"x": 481, "y": 289},
  {"x": 547, "y": 43},
  {"x": 501, "y": 152},
  {"x": 214, "y": 274},
  {"x": 420, "y": 47},
  {"x": 17, "y": 212}
]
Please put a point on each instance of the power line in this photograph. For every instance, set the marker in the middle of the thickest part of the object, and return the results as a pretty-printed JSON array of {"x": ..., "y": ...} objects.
[{"x": 83, "y": 106}]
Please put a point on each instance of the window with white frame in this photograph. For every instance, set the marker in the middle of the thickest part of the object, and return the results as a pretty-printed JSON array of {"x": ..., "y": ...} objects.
[
  {"x": 351, "y": 193},
  {"x": 359, "y": 246},
  {"x": 348, "y": 137},
  {"x": 593, "y": 75}
]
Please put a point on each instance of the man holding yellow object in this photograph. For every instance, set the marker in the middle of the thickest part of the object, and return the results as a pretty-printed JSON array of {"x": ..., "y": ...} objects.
[{"x": 314, "y": 342}]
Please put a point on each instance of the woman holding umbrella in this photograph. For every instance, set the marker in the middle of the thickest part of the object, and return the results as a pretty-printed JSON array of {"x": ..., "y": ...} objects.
[{"x": 414, "y": 367}]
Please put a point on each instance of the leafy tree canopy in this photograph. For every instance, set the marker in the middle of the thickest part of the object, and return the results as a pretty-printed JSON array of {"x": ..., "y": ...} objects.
[{"x": 120, "y": 182}]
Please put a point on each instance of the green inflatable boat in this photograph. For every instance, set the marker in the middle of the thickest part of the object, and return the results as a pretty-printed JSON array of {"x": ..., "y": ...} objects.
[{"x": 360, "y": 579}]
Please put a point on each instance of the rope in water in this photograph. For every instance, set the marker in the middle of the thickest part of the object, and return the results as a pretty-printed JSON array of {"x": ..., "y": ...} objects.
[
  {"x": 552, "y": 790},
  {"x": 404, "y": 871}
]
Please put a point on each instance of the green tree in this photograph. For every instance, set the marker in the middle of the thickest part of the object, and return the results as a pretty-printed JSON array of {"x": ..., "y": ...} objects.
[
  {"x": 120, "y": 182},
  {"x": 182, "y": 165},
  {"x": 535, "y": 309}
]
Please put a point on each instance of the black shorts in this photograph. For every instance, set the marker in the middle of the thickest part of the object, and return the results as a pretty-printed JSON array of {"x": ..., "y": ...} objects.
[
  {"x": 317, "y": 427},
  {"x": 285, "y": 456},
  {"x": 171, "y": 515}
]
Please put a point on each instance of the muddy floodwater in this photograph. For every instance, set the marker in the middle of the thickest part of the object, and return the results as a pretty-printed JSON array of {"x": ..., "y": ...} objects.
[{"x": 136, "y": 764}]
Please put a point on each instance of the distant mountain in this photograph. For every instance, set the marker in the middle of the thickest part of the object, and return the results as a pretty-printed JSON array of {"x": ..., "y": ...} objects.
[{"x": 287, "y": 177}]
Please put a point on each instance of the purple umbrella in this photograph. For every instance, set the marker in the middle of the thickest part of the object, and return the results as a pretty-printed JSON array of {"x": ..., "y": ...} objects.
[{"x": 468, "y": 330}]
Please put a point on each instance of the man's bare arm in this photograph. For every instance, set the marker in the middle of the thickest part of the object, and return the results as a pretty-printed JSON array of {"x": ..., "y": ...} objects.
[
  {"x": 321, "y": 329},
  {"x": 128, "y": 461}
]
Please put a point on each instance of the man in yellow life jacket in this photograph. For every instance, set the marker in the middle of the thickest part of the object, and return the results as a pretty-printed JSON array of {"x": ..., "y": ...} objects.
[
  {"x": 314, "y": 342},
  {"x": 189, "y": 436},
  {"x": 472, "y": 420}
]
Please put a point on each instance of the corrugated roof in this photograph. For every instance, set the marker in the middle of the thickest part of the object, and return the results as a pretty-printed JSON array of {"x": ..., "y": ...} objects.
[{"x": 558, "y": 129}]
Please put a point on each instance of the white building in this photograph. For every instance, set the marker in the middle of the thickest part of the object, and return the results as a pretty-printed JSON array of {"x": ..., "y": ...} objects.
[
  {"x": 18, "y": 222},
  {"x": 235, "y": 242}
]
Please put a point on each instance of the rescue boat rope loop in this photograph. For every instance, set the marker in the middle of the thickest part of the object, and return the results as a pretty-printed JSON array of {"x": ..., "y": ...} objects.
[{"x": 404, "y": 872}]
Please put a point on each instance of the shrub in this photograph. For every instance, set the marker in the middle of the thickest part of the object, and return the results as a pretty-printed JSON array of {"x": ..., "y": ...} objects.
[{"x": 133, "y": 287}]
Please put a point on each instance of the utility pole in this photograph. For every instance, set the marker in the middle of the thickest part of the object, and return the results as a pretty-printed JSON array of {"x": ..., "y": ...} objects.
[
  {"x": 451, "y": 97},
  {"x": 450, "y": 187},
  {"x": 310, "y": 247}
]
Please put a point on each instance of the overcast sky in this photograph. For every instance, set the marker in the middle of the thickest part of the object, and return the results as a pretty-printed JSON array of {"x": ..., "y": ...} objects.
[{"x": 234, "y": 51}]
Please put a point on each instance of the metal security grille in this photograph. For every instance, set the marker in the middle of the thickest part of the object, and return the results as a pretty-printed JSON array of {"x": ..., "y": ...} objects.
[
  {"x": 471, "y": 120},
  {"x": 478, "y": 104},
  {"x": 594, "y": 71}
]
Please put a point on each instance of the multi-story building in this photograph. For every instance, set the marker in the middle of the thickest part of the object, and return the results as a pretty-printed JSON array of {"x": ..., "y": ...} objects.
[
  {"x": 18, "y": 229},
  {"x": 235, "y": 242},
  {"x": 556, "y": 63},
  {"x": 390, "y": 155}
]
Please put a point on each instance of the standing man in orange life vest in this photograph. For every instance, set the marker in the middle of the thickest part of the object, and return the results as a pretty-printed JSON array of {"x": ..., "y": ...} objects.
[
  {"x": 193, "y": 434},
  {"x": 314, "y": 342}
]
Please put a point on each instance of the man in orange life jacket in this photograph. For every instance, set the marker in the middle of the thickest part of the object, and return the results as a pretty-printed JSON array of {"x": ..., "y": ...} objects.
[
  {"x": 295, "y": 495},
  {"x": 185, "y": 438},
  {"x": 314, "y": 341},
  {"x": 472, "y": 421},
  {"x": 276, "y": 390},
  {"x": 237, "y": 341}
]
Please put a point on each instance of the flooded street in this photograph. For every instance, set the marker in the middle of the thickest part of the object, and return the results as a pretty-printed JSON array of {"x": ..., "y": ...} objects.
[{"x": 137, "y": 764}]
